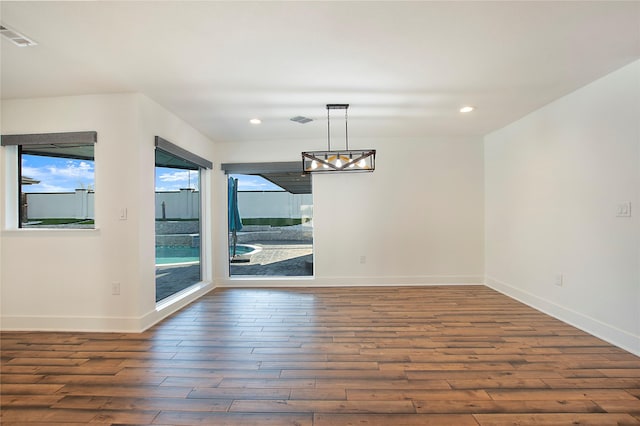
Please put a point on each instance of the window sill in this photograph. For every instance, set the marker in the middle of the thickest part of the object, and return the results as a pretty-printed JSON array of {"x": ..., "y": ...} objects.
[{"x": 26, "y": 231}]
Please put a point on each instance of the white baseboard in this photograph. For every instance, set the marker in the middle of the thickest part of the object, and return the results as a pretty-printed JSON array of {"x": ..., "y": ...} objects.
[
  {"x": 255, "y": 281},
  {"x": 106, "y": 324},
  {"x": 604, "y": 331},
  {"x": 183, "y": 298},
  {"x": 69, "y": 324},
  {"x": 174, "y": 303}
]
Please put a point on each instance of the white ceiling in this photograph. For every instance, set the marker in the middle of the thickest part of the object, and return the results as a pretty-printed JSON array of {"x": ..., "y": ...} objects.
[{"x": 405, "y": 67}]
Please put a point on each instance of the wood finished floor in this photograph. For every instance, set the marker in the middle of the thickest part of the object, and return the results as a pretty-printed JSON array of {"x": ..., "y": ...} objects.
[{"x": 463, "y": 355}]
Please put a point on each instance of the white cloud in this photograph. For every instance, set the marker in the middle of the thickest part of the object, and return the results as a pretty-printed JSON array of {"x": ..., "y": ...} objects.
[
  {"x": 168, "y": 188},
  {"x": 250, "y": 186},
  {"x": 44, "y": 187},
  {"x": 75, "y": 170},
  {"x": 33, "y": 172},
  {"x": 51, "y": 188},
  {"x": 181, "y": 176},
  {"x": 255, "y": 183},
  {"x": 57, "y": 175},
  {"x": 176, "y": 180}
]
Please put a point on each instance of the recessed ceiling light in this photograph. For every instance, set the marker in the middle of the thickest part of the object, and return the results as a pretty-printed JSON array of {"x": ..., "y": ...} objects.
[
  {"x": 467, "y": 108},
  {"x": 255, "y": 121}
]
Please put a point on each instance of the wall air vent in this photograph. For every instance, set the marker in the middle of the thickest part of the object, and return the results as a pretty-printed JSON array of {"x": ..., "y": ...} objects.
[
  {"x": 15, "y": 37},
  {"x": 300, "y": 119}
]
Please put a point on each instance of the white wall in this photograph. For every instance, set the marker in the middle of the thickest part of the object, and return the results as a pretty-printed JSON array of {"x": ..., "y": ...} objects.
[
  {"x": 77, "y": 205},
  {"x": 274, "y": 204},
  {"x": 153, "y": 120},
  {"x": 417, "y": 219},
  {"x": 62, "y": 279},
  {"x": 554, "y": 181},
  {"x": 183, "y": 204}
]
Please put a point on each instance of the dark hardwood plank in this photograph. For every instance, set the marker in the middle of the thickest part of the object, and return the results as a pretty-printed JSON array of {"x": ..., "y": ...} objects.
[
  {"x": 621, "y": 406},
  {"x": 595, "y": 419},
  {"x": 142, "y": 403},
  {"x": 32, "y": 401},
  {"x": 326, "y": 419},
  {"x": 459, "y": 355},
  {"x": 322, "y": 406},
  {"x": 29, "y": 389},
  {"x": 241, "y": 393},
  {"x": 490, "y": 406},
  {"x": 14, "y": 415},
  {"x": 234, "y": 419}
]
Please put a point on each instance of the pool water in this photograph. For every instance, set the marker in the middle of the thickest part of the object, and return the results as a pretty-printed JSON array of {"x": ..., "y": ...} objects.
[
  {"x": 184, "y": 254},
  {"x": 177, "y": 254},
  {"x": 241, "y": 249}
]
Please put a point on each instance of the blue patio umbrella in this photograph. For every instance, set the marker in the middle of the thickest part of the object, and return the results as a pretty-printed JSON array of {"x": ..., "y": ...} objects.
[{"x": 235, "y": 223}]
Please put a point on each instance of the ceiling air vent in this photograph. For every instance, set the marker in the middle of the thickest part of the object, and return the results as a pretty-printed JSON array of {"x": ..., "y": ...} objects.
[
  {"x": 300, "y": 119},
  {"x": 16, "y": 38}
]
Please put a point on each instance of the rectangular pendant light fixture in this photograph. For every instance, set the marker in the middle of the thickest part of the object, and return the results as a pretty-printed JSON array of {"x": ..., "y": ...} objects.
[{"x": 346, "y": 160}]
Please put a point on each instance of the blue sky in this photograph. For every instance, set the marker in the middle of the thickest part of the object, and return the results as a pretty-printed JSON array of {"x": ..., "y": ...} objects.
[
  {"x": 57, "y": 174},
  {"x": 168, "y": 179},
  {"x": 174, "y": 179},
  {"x": 66, "y": 175},
  {"x": 255, "y": 183}
]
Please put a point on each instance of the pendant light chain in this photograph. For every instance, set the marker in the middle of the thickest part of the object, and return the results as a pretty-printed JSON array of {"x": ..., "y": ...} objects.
[
  {"x": 346, "y": 130},
  {"x": 328, "y": 130}
]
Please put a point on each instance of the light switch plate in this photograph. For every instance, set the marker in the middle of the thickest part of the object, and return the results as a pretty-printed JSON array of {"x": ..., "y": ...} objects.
[
  {"x": 624, "y": 210},
  {"x": 559, "y": 280}
]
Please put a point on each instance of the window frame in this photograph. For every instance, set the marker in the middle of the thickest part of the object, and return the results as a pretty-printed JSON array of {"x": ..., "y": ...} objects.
[
  {"x": 40, "y": 139},
  {"x": 186, "y": 160},
  {"x": 264, "y": 169}
]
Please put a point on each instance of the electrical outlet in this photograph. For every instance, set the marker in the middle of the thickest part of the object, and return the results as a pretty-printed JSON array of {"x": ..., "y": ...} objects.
[
  {"x": 363, "y": 259},
  {"x": 115, "y": 288},
  {"x": 559, "y": 280}
]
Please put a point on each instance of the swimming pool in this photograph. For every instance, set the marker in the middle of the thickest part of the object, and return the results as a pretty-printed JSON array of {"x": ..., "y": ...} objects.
[
  {"x": 177, "y": 254},
  {"x": 242, "y": 249},
  {"x": 166, "y": 255}
]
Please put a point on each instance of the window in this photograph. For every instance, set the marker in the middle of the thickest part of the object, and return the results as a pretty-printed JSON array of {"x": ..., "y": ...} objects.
[
  {"x": 270, "y": 215},
  {"x": 178, "y": 218},
  {"x": 56, "y": 184}
]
